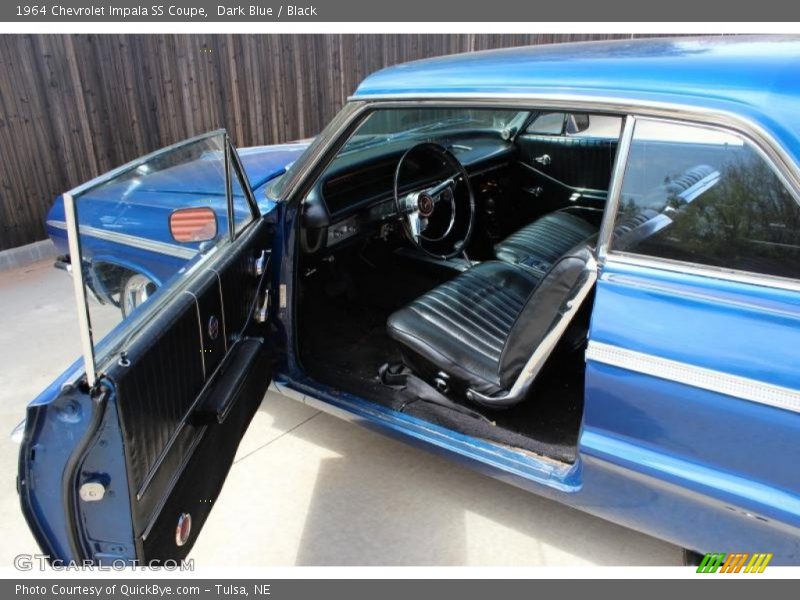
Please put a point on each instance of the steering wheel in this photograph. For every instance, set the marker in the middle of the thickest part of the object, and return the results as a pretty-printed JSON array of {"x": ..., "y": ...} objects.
[{"x": 416, "y": 209}]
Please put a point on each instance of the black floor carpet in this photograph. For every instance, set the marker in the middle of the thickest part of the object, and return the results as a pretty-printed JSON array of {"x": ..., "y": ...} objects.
[{"x": 343, "y": 343}]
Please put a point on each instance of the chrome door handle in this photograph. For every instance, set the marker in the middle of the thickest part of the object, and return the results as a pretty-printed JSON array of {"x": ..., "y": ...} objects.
[
  {"x": 260, "y": 263},
  {"x": 262, "y": 311},
  {"x": 544, "y": 159}
]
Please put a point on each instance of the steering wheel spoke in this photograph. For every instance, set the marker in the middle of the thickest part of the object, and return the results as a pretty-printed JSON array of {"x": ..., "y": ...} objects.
[
  {"x": 416, "y": 224},
  {"x": 407, "y": 204},
  {"x": 436, "y": 191}
]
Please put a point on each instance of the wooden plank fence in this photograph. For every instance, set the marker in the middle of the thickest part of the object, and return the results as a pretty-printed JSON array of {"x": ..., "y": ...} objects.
[{"x": 74, "y": 106}]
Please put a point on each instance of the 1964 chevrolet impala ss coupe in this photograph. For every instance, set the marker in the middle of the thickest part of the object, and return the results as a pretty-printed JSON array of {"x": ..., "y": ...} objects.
[{"x": 575, "y": 268}]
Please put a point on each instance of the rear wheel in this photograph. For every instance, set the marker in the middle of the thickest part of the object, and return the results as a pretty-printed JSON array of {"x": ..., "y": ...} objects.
[{"x": 135, "y": 291}]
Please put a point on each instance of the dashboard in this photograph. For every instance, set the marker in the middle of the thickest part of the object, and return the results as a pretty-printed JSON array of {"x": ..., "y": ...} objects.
[{"x": 356, "y": 194}]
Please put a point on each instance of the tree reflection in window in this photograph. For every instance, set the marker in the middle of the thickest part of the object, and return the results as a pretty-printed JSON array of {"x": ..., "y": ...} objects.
[{"x": 742, "y": 216}]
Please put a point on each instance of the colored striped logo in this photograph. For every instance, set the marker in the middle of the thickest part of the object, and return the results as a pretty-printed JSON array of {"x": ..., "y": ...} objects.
[{"x": 735, "y": 562}]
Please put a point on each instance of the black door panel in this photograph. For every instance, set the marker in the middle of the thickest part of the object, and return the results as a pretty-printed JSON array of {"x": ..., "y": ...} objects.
[
  {"x": 582, "y": 163},
  {"x": 235, "y": 272},
  {"x": 139, "y": 439},
  {"x": 199, "y": 482},
  {"x": 219, "y": 399},
  {"x": 195, "y": 357},
  {"x": 211, "y": 321},
  {"x": 558, "y": 170},
  {"x": 158, "y": 388}
]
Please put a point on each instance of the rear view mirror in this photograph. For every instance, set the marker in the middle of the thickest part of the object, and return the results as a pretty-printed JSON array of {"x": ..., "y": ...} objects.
[
  {"x": 193, "y": 224},
  {"x": 559, "y": 123},
  {"x": 576, "y": 123}
]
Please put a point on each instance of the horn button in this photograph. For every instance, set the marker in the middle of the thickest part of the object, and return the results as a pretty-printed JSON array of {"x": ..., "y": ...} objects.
[{"x": 425, "y": 205}]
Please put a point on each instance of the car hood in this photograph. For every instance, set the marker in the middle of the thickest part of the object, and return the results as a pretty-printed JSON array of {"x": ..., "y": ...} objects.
[
  {"x": 179, "y": 186},
  {"x": 264, "y": 163}
]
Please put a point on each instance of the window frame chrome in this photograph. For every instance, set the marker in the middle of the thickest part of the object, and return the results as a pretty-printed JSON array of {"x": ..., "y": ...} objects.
[
  {"x": 92, "y": 360},
  {"x": 79, "y": 288},
  {"x": 781, "y": 161},
  {"x": 615, "y": 189},
  {"x": 606, "y": 253}
]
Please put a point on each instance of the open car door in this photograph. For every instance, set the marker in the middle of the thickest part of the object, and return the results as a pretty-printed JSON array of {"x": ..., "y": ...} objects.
[{"x": 125, "y": 454}]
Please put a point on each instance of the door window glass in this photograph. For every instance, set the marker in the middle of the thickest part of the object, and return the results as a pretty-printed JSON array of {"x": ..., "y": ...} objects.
[
  {"x": 705, "y": 196},
  {"x": 145, "y": 226}
]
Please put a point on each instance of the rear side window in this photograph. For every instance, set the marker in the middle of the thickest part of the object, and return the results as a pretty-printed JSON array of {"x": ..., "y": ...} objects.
[{"x": 704, "y": 196}]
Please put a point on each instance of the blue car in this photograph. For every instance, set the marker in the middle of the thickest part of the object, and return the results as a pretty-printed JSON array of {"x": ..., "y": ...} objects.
[
  {"x": 575, "y": 268},
  {"x": 127, "y": 244}
]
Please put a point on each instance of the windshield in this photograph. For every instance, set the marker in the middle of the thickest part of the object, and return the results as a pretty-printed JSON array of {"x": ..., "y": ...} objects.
[
  {"x": 416, "y": 124},
  {"x": 419, "y": 123}
]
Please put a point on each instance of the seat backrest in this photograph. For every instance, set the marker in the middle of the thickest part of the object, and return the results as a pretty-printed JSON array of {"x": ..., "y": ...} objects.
[{"x": 546, "y": 315}]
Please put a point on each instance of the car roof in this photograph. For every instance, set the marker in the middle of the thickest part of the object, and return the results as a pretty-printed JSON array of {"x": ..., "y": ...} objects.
[{"x": 756, "y": 77}]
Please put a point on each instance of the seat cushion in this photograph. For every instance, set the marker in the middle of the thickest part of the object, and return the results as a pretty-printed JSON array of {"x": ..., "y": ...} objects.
[
  {"x": 539, "y": 244},
  {"x": 461, "y": 327}
]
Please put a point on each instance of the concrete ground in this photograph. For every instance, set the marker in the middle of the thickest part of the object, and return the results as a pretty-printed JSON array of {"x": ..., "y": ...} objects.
[{"x": 307, "y": 488}]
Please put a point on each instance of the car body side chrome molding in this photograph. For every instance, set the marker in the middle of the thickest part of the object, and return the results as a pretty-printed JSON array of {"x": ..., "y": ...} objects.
[
  {"x": 695, "y": 269},
  {"x": 692, "y": 375},
  {"x": 131, "y": 240}
]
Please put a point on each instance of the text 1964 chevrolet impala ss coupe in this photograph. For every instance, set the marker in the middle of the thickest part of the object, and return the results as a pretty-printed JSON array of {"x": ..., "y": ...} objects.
[{"x": 576, "y": 268}]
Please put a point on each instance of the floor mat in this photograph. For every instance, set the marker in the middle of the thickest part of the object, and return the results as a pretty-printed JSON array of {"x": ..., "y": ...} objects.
[
  {"x": 546, "y": 423},
  {"x": 344, "y": 343}
]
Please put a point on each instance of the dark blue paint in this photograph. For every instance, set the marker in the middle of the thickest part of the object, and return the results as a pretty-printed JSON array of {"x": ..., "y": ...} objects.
[
  {"x": 628, "y": 484},
  {"x": 143, "y": 210},
  {"x": 702, "y": 470},
  {"x": 55, "y": 422},
  {"x": 757, "y": 78},
  {"x": 724, "y": 453}
]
